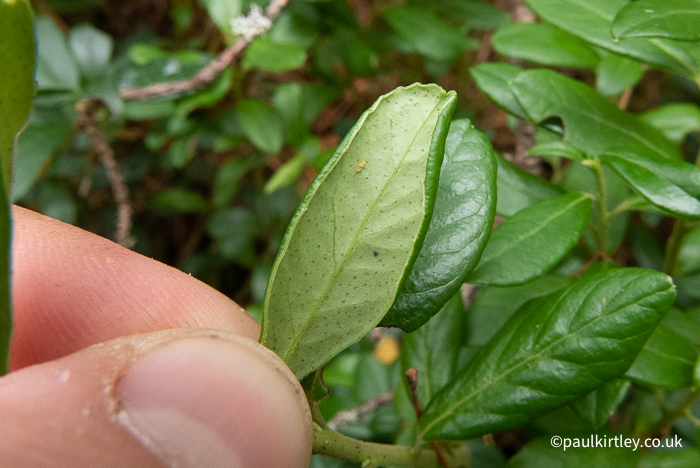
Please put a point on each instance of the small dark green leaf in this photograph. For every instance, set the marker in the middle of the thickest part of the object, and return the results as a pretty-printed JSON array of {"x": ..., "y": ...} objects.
[
  {"x": 669, "y": 357},
  {"x": 597, "y": 407},
  {"x": 92, "y": 50},
  {"x": 674, "y": 120},
  {"x": 277, "y": 57},
  {"x": 593, "y": 124},
  {"x": 541, "y": 453},
  {"x": 178, "y": 200},
  {"x": 591, "y": 20},
  {"x": 434, "y": 348},
  {"x": 354, "y": 238},
  {"x": 669, "y": 184},
  {"x": 518, "y": 189},
  {"x": 494, "y": 80},
  {"x": 494, "y": 305},
  {"x": 286, "y": 175},
  {"x": 458, "y": 232},
  {"x": 673, "y": 19},
  {"x": 557, "y": 149},
  {"x": 262, "y": 125},
  {"x": 615, "y": 73},
  {"x": 550, "y": 353},
  {"x": 534, "y": 240},
  {"x": 427, "y": 33},
  {"x": 475, "y": 14},
  {"x": 545, "y": 44}
]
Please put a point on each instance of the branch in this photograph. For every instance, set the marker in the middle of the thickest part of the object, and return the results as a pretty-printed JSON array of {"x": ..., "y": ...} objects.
[
  {"x": 87, "y": 108},
  {"x": 207, "y": 74},
  {"x": 343, "y": 418}
]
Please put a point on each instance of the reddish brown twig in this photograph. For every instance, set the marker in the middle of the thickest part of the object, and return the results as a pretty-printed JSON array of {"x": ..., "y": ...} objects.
[
  {"x": 207, "y": 74},
  {"x": 412, "y": 379},
  {"x": 343, "y": 418},
  {"x": 87, "y": 108}
]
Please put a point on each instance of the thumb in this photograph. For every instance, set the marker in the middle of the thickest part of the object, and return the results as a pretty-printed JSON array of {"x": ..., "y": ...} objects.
[{"x": 185, "y": 398}]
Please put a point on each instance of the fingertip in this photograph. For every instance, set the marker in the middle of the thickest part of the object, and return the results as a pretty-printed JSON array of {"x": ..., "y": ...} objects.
[{"x": 210, "y": 401}]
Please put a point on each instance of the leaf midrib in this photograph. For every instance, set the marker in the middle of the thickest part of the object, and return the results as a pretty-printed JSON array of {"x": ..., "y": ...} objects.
[
  {"x": 345, "y": 258},
  {"x": 530, "y": 358}
]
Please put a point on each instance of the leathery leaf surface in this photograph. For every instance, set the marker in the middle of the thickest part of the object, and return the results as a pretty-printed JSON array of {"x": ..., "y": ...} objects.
[
  {"x": 358, "y": 231},
  {"x": 458, "y": 232},
  {"x": 551, "y": 352}
]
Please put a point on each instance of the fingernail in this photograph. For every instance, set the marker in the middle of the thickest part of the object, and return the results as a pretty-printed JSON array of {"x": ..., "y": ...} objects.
[{"x": 214, "y": 402}]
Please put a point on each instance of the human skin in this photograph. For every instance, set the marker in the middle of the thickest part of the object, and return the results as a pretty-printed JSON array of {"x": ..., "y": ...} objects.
[{"x": 119, "y": 360}]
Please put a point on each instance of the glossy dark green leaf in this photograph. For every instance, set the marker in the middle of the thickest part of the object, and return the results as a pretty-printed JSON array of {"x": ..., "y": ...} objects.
[
  {"x": 674, "y": 120},
  {"x": 545, "y": 44},
  {"x": 17, "y": 56},
  {"x": 354, "y": 238},
  {"x": 277, "y": 57},
  {"x": 541, "y": 453},
  {"x": 459, "y": 229},
  {"x": 615, "y": 73},
  {"x": 557, "y": 149},
  {"x": 262, "y": 125},
  {"x": 427, "y": 33},
  {"x": 434, "y": 348},
  {"x": 533, "y": 240},
  {"x": 668, "y": 358},
  {"x": 597, "y": 407},
  {"x": 593, "y": 124},
  {"x": 518, "y": 189},
  {"x": 550, "y": 353},
  {"x": 669, "y": 184},
  {"x": 591, "y": 20},
  {"x": 494, "y": 305},
  {"x": 673, "y": 19},
  {"x": 494, "y": 80}
]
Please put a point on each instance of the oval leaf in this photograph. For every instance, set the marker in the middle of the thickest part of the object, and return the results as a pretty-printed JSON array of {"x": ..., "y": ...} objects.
[
  {"x": 593, "y": 124},
  {"x": 518, "y": 189},
  {"x": 545, "y": 44},
  {"x": 673, "y": 19},
  {"x": 591, "y": 20},
  {"x": 668, "y": 184},
  {"x": 357, "y": 232},
  {"x": 550, "y": 353},
  {"x": 459, "y": 229},
  {"x": 494, "y": 80},
  {"x": 535, "y": 239}
]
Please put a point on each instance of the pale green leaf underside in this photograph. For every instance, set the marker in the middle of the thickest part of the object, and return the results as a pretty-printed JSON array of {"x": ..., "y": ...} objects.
[
  {"x": 550, "y": 353},
  {"x": 16, "y": 77},
  {"x": 459, "y": 229},
  {"x": 354, "y": 236}
]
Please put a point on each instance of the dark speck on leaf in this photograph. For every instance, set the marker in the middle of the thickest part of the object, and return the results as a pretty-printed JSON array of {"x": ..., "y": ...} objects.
[{"x": 375, "y": 253}]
